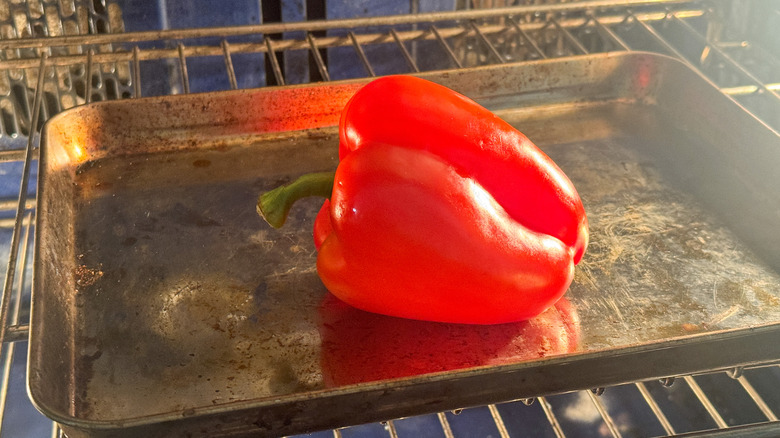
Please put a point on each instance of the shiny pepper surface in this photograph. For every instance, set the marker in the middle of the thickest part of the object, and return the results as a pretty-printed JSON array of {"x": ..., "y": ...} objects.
[{"x": 442, "y": 211}]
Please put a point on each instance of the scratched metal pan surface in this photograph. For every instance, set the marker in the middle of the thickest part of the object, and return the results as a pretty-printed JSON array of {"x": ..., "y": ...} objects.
[{"x": 164, "y": 306}]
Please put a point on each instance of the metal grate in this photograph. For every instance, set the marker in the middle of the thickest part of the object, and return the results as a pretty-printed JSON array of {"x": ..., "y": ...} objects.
[
  {"x": 58, "y": 54},
  {"x": 68, "y": 85}
]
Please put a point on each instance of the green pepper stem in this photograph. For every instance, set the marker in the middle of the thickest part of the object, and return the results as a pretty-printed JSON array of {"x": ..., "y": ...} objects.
[{"x": 274, "y": 205}]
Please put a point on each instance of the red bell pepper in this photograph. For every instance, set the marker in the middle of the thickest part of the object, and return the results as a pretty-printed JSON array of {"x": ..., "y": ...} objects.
[{"x": 439, "y": 210}]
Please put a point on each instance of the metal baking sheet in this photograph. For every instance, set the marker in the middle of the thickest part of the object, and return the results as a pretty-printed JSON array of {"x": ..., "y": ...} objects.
[{"x": 164, "y": 306}]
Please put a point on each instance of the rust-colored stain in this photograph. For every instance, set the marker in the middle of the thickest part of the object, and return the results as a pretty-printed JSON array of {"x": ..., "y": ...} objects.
[{"x": 300, "y": 108}]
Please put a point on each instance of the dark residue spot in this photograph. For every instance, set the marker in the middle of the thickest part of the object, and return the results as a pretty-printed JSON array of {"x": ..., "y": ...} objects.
[
  {"x": 260, "y": 292},
  {"x": 201, "y": 163},
  {"x": 130, "y": 241},
  {"x": 222, "y": 147},
  {"x": 85, "y": 166},
  {"x": 184, "y": 215},
  {"x": 148, "y": 224}
]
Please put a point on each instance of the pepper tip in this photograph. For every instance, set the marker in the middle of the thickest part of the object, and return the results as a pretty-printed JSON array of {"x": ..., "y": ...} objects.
[{"x": 275, "y": 217}]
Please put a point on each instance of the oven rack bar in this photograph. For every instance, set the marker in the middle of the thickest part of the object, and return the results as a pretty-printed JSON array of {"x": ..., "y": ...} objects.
[
  {"x": 78, "y": 69},
  {"x": 280, "y": 45},
  {"x": 598, "y": 407},
  {"x": 333, "y": 24},
  {"x": 115, "y": 69}
]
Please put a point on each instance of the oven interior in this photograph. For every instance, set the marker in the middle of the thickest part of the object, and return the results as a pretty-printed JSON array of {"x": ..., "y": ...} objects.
[{"x": 100, "y": 50}]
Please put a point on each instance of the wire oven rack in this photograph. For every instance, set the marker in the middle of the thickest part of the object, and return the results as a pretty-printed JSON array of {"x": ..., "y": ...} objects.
[{"x": 56, "y": 54}]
